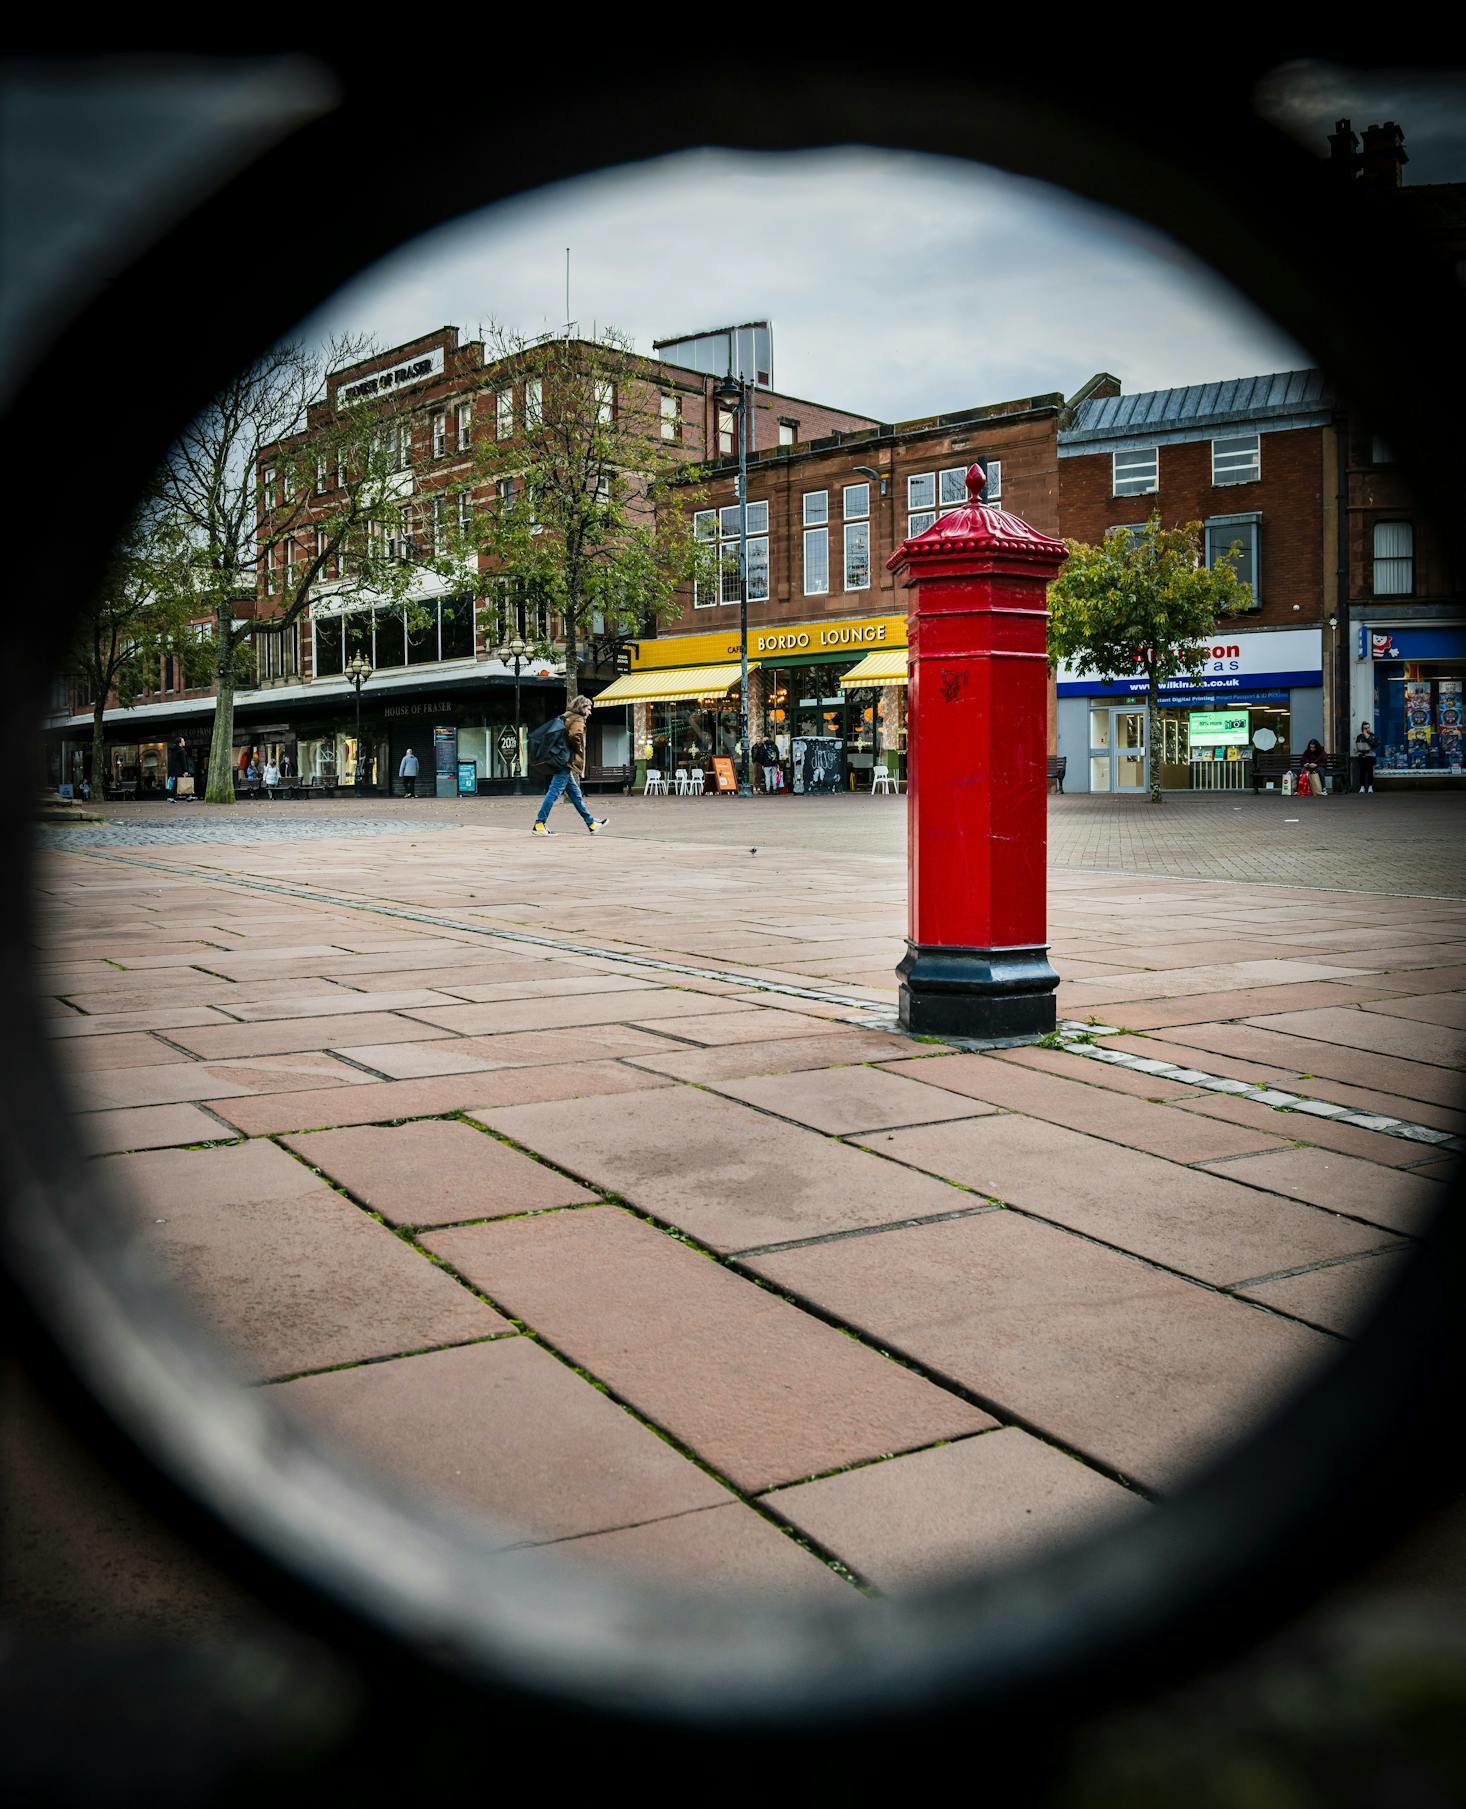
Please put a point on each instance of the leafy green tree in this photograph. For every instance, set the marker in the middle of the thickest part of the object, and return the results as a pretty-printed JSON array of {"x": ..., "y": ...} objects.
[
  {"x": 137, "y": 618},
  {"x": 277, "y": 495},
  {"x": 1142, "y": 604},
  {"x": 586, "y": 512}
]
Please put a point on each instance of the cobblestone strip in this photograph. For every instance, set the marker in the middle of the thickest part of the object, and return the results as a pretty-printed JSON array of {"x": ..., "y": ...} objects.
[{"x": 1074, "y": 1037}]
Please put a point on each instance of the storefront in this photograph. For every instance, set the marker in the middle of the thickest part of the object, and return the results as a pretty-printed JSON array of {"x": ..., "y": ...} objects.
[
  {"x": 1273, "y": 678},
  {"x": 1408, "y": 684},
  {"x": 828, "y": 697}
]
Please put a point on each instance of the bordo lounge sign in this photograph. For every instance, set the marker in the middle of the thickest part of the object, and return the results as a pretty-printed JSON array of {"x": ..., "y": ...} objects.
[{"x": 821, "y": 639}]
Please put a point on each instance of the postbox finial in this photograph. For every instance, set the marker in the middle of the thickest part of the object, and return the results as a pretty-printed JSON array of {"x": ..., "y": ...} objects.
[{"x": 977, "y": 482}]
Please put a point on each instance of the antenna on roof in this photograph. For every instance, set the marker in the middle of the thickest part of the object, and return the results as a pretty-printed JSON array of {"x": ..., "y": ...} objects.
[{"x": 567, "y": 291}]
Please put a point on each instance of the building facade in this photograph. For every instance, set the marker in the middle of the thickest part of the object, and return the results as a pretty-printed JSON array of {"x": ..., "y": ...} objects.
[
  {"x": 827, "y": 621},
  {"x": 1256, "y": 462}
]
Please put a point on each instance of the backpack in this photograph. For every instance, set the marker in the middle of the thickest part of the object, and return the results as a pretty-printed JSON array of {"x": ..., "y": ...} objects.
[{"x": 549, "y": 746}]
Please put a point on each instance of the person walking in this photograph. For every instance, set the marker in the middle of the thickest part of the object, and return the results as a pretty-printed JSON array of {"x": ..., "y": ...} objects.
[
  {"x": 407, "y": 773},
  {"x": 566, "y": 779},
  {"x": 1364, "y": 749},
  {"x": 1312, "y": 766},
  {"x": 178, "y": 767},
  {"x": 272, "y": 778}
]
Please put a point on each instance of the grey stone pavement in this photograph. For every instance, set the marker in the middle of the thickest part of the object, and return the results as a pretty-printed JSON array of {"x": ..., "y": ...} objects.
[{"x": 587, "y": 1184}]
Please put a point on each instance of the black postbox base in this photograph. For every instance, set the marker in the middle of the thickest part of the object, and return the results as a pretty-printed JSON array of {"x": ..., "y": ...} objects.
[{"x": 1000, "y": 995}]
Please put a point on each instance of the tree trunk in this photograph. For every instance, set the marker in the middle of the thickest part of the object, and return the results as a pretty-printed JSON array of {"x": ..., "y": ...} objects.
[
  {"x": 572, "y": 658},
  {"x": 99, "y": 747},
  {"x": 221, "y": 750},
  {"x": 1152, "y": 746}
]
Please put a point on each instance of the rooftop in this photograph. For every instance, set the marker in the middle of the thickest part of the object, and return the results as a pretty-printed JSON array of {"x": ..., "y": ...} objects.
[{"x": 1281, "y": 396}]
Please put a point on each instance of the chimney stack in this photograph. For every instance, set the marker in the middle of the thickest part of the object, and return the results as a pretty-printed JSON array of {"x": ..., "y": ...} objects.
[
  {"x": 1344, "y": 151},
  {"x": 1384, "y": 156}
]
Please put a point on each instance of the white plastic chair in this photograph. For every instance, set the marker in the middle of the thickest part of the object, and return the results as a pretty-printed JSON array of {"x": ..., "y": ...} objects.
[
  {"x": 695, "y": 782},
  {"x": 682, "y": 782},
  {"x": 881, "y": 780},
  {"x": 656, "y": 783}
]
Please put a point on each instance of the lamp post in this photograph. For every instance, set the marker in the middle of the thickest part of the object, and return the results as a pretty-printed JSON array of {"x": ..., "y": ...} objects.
[
  {"x": 512, "y": 653},
  {"x": 359, "y": 670},
  {"x": 732, "y": 392}
]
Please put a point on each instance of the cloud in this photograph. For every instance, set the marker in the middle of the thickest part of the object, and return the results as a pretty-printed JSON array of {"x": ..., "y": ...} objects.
[{"x": 898, "y": 284}]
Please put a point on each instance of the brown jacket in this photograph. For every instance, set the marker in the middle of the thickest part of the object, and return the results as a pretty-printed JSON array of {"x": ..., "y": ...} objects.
[{"x": 575, "y": 735}]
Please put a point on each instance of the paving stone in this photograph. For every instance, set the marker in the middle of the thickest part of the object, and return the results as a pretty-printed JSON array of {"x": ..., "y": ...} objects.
[
  {"x": 1097, "y": 1074},
  {"x": 224, "y": 1042},
  {"x": 732, "y": 1177},
  {"x": 289, "y": 1274},
  {"x": 1449, "y": 1009},
  {"x": 842, "y": 1100},
  {"x": 916, "y": 1521},
  {"x": 1356, "y": 1029},
  {"x": 523, "y": 1048},
  {"x": 461, "y": 979},
  {"x": 1138, "y": 1370},
  {"x": 120, "y": 1023},
  {"x": 504, "y": 1430},
  {"x": 1200, "y": 1224},
  {"x": 339, "y": 1004},
  {"x": 115, "y": 1087},
  {"x": 575, "y": 986},
  {"x": 1303, "y": 1127},
  {"x": 721, "y": 1549},
  {"x": 148, "y": 1127},
  {"x": 780, "y": 1055},
  {"x": 135, "y": 1050},
  {"x": 1384, "y": 1196},
  {"x": 1435, "y": 980},
  {"x": 1176, "y": 983},
  {"x": 1201, "y": 1008},
  {"x": 1388, "y": 1105},
  {"x": 761, "y": 1391},
  {"x": 1446, "y": 1170},
  {"x": 1338, "y": 1297},
  {"x": 753, "y": 1025},
  {"x": 1136, "y": 1123},
  {"x": 1231, "y": 1067},
  {"x": 1355, "y": 1067},
  {"x": 435, "y": 1172},
  {"x": 556, "y": 1014}
]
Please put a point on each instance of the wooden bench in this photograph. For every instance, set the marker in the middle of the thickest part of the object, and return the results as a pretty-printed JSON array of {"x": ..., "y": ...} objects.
[
  {"x": 1058, "y": 766},
  {"x": 122, "y": 790},
  {"x": 1273, "y": 766},
  {"x": 606, "y": 778}
]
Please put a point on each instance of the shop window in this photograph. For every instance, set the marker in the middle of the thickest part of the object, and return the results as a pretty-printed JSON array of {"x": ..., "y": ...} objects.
[
  {"x": 504, "y": 414},
  {"x": 1237, "y": 460},
  {"x": 1394, "y": 559},
  {"x": 816, "y": 508},
  {"x": 1242, "y": 532},
  {"x": 465, "y": 426},
  {"x": 857, "y": 555},
  {"x": 857, "y": 503},
  {"x": 671, "y": 407},
  {"x": 816, "y": 562},
  {"x": 1418, "y": 717},
  {"x": 358, "y": 628},
  {"x": 422, "y": 634},
  {"x": 328, "y": 640},
  {"x": 1137, "y": 471}
]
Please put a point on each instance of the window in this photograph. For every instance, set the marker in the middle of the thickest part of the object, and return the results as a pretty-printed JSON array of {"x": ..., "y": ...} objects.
[
  {"x": 788, "y": 432},
  {"x": 921, "y": 498},
  {"x": 1237, "y": 460},
  {"x": 1137, "y": 472},
  {"x": 267, "y": 487},
  {"x": 327, "y": 659},
  {"x": 465, "y": 426},
  {"x": 278, "y": 655},
  {"x": 320, "y": 474},
  {"x": 994, "y": 491},
  {"x": 816, "y": 507},
  {"x": 341, "y": 470},
  {"x": 505, "y": 488},
  {"x": 857, "y": 502},
  {"x": 605, "y": 402},
  {"x": 440, "y": 434},
  {"x": 719, "y": 528},
  {"x": 758, "y": 569},
  {"x": 726, "y": 428},
  {"x": 534, "y": 395},
  {"x": 816, "y": 561},
  {"x": 671, "y": 417},
  {"x": 1221, "y": 532},
  {"x": 440, "y": 524},
  {"x": 1379, "y": 451},
  {"x": 1394, "y": 559},
  {"x": 603, "y": 490},
  {"x": 404, "y": 445},
  {"x": 702, "y": 524},
  {"x": 952, "y": 486},
  {"x": 465, "y": 512},
  {"x": 857, "y": 554},
  {"x": 504, "y": 414}
]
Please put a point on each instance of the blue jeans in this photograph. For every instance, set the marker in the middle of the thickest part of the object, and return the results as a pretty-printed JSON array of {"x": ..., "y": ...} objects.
[{"x": 566, "y": 782}]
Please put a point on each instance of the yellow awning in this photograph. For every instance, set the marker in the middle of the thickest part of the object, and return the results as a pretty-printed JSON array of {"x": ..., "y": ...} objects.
[
  {"x": 888, "y": 667},
  {"x": 668, "y": 686}
]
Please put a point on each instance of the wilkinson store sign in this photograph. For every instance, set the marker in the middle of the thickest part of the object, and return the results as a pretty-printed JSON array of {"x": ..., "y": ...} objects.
[
  {"x": 382, "y": 383},
  {"x": 1279, "y": 661}
]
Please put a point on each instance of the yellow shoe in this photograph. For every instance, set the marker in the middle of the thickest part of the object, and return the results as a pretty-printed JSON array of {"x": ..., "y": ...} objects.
[{"x": 542, "y": 829}]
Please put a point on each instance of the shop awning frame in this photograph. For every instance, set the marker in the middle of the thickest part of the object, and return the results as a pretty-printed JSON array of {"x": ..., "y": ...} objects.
[
  {"x": 671, "y": 684},
  {"x": 887, "y": 667}
]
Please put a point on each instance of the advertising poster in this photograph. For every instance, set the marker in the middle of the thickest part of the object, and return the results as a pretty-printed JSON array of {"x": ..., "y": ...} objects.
[
  {"x": 1448, "y": 721},
  {"x": 818, "y": 761},
  {"x": 1419, "y": 729}
]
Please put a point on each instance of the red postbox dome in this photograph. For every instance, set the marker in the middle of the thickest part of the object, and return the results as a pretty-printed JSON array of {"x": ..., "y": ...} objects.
[{"x": 977, "y": 529}]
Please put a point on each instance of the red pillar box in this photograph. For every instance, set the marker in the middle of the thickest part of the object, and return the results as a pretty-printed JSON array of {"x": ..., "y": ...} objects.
[{"x": 976, "y": 960}]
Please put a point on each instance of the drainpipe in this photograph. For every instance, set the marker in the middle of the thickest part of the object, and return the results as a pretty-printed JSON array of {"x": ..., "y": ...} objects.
[{"x": 1344, "y": 635}]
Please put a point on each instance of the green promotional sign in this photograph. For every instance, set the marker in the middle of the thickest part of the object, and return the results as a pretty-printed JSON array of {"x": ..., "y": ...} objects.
[{"x": 1218, "y": 728}]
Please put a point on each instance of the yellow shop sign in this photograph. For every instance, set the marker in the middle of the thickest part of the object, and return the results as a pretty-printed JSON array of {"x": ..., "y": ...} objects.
[{"x": 861, "y": 634}]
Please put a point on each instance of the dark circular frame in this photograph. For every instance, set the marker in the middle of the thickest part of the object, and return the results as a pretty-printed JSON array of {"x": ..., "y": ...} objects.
[{"x": 1346, "y": 1464}]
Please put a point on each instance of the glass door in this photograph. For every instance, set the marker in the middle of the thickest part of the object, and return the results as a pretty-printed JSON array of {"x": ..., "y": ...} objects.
[{"x": 1127, "y": 736}]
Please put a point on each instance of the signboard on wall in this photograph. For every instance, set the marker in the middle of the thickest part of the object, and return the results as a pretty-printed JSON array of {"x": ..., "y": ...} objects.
[
  {"x": 1234, "y": 661},
  {"x": 383, "y": 383},
  {"x": 1218, "y": 728}
]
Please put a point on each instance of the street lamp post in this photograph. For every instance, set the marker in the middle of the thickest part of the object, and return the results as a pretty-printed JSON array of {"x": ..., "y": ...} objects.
[
  {"x": 513, "y": 653},
  {"x": 732, "y": 392},
  {"x": 359, "y": 670}
]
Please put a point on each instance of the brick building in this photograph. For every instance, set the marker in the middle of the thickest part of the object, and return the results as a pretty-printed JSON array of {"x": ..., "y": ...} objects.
[
  {"x": 438, "y": 688},
  {"x": 827, "y": 622},
  {"x": 1256, "y": 461}
]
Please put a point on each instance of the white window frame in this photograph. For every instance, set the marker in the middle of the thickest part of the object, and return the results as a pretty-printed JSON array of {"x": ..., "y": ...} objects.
[
  {"x": 857, "y": 529},
  {"x": 605, "y": 401},
  {"x": 921, "y": 510},
  {"x": 1141, "y": 476},
  {"x": 465, "y": 511},
  {"x": 993, "y": 492},
  {"x": 439, "y": 521},
  {"x": 1378, "y": 560},
  {"x": 817, "y": 516},
  {"x": 320, "y": 474},
  {"x": 504, "y": 414},
  {"x": 440, "y": 432},
  {"x": 788, "y": 432},
  {"x": 534, "y": 402},
  {"x": 671, "y": 412},
  {"x": 820, "y": 537},
  {"x": 463, "y": 416},
  {"x": 728, "y": 432},
  {"x": 951, "y": 494},
  {"x": 267, "y": 486},
  {"x": 855, "y": 511},
  {"x": 1236, "y": 467},
  {"x": 755, "y": 562},
  {"x": 404, "y": 445}
]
